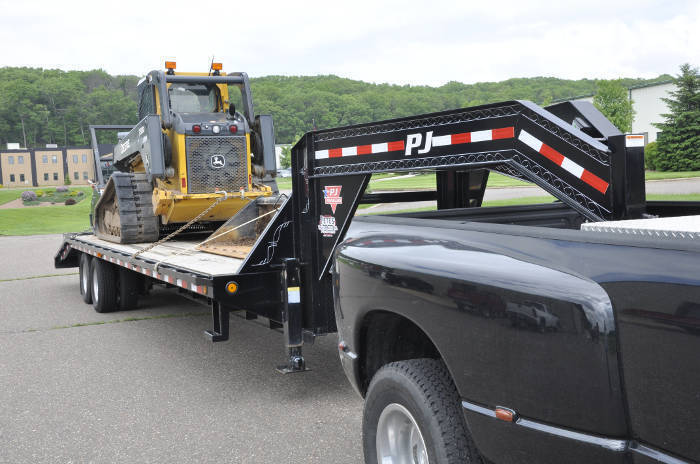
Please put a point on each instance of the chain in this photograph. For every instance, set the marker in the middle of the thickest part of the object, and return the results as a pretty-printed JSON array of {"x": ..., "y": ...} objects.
[
  {"x": 192, "y": 221},
  {"x": 187, "y": 250}
]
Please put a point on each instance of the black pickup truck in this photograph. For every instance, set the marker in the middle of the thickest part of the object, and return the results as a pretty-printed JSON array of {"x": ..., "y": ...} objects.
[
  {"x": 528, "y": 334},
  {"x": 566, "y": 332},
  {"x": 520, "y": 344}
]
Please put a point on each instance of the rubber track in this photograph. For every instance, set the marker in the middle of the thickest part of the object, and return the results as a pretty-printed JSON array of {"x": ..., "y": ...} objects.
[{"x": 138, "y": 223}]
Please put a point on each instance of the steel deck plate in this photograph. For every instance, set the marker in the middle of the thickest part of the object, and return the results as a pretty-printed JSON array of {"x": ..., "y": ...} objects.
[
  {"x": 179, "y": 254},
  {"x": 673, "y": 227}
]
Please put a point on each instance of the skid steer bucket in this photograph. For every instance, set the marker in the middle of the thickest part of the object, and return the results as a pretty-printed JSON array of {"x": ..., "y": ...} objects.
[{"x": 236, "y": 237}]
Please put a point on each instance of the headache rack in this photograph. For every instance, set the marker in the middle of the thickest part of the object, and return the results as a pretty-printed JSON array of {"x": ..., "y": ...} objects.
[{"x": 572, "y": 152}]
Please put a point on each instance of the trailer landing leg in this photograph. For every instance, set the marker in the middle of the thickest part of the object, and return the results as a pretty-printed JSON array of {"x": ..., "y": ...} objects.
[
  {"x": 221, "y": 320},
  {"x": 292, "y": 317},
  {"x": 295, "y": 364}
]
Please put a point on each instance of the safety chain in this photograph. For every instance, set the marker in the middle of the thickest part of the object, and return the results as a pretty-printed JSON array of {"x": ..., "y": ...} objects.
[
  {"x": 187, "y": 250},
  {"x": 192, "y": 221}
]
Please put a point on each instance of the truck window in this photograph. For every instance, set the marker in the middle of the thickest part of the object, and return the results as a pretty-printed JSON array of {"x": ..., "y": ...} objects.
[{"x": 193, "y": 98}]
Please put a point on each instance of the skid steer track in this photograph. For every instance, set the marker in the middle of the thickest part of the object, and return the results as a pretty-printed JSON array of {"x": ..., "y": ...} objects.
[{"x": 124, "y": 212}]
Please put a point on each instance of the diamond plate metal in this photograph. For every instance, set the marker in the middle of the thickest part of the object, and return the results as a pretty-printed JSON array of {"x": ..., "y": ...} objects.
[{"x": 202, "y": 177}]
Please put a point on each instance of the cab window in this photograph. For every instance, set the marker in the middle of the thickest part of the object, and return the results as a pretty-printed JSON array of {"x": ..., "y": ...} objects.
[{"x": 193, "y": 98}]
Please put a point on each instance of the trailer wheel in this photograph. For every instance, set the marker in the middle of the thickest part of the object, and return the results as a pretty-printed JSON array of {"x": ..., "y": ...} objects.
[
  {"x": 413, "y": 414},
  {"x": 85, "y": 278},
  {"x": 104, "y": 286},
  {"x": 130, "y": 285}
]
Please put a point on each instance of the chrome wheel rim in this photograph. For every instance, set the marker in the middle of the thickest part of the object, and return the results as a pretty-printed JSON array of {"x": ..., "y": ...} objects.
[
  {"x": 95, "y": 287},
  {"x": 399, "y": 439}
]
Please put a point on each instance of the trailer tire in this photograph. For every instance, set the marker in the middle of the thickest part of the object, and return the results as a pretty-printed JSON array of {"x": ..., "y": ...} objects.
[
  {"x": 104, "y": 286},
  {"x": 412, "y": 396},
  {"x": 130, "y": 286},
  {"x": 85, "y": 278}
]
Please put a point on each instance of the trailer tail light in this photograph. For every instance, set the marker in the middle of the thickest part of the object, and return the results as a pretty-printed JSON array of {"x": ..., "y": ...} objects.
[
  {"x": 505, "y": 414},
  {"x": 233, "y": 129},
  {"x": 196, "y": 128},
  {"x": 184, "y": 182}
]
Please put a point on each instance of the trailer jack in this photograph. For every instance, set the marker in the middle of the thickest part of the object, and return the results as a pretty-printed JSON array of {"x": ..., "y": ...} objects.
[
  {"x": 220, "y": 318},
  {"x": 292, "y": 316},
  {"x": 296, "y": 362}
]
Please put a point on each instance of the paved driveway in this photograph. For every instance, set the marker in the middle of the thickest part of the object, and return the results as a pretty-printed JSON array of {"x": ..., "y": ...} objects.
[{"x": 77, "y": 386}]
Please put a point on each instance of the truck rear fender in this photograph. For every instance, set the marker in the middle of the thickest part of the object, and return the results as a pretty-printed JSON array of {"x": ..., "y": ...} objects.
[{"x": 386, "y": 337}]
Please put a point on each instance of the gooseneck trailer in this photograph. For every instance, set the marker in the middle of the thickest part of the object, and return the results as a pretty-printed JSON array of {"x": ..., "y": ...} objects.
[{"x": 301, "y": 248}]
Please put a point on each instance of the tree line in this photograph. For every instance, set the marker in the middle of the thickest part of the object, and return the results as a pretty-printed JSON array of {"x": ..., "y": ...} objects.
[{"x": 40, "y": 106}]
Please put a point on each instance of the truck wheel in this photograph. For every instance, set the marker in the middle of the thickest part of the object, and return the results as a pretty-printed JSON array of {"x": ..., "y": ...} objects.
[
  {"x": 130, "y": 285},
  {"x": 104, "y": 286},
  {"x": 413, "y": 414},
  {"x": 85, "y": 278}
]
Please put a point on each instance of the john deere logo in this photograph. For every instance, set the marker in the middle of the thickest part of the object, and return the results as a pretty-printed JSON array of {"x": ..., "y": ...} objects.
[{"x": 217, "y": 161}]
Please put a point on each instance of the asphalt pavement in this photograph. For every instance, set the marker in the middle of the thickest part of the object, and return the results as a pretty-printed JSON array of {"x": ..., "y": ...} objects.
[{"x": 146, "y": 386}]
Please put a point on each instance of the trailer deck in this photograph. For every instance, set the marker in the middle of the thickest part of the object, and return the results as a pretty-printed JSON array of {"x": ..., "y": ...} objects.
[{"x": 175, "y": 262}]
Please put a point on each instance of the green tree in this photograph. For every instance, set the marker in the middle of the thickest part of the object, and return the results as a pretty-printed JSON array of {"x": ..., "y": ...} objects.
[
  {"x": 286, "y": 156},
  {"x": 679, "y": 141},
  {"x": 612, "y": 100},
  {"x": 651, "y": 156},
  {"x": 54, "y": 106}
]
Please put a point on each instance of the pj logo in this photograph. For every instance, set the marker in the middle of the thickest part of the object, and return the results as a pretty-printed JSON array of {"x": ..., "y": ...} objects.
[
  {"x": 414, "y": 141},
  {"x": 217, "y": 161},
  {"x": 331, "y": 196}
]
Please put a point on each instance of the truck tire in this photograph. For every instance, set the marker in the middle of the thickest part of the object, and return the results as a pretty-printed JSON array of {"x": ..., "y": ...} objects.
[
  {"x": 85, "y": 278},
  {"x": 413, "y": 414},
  {"x": 130, "y": 286},
  {"x": 104, "y": 286}
]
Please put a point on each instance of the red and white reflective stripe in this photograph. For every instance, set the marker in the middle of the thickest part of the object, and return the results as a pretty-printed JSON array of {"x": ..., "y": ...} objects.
[
  {"x": 473, "y": 137},
  {"x": 437, "y": 141},
  {"x": 361, "y": 150},
  {"x": 561, "y": 160},
  {"x": 201, "y": 289}
]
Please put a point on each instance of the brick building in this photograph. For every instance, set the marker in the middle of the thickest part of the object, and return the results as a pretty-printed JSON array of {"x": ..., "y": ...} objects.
[{"x": 46, "y": 166}]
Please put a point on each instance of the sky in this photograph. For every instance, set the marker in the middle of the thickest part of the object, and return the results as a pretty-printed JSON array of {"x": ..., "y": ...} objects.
[{"x": 429, "y": 42}]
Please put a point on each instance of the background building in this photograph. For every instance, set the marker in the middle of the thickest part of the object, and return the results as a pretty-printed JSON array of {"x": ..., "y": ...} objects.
[
  {"x": 46, "y": 166},
  {"x": 648, "y": 106}
]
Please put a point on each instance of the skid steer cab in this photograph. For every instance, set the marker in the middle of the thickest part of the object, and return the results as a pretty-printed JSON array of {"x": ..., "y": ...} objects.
[{"x": 198, "y": 155}]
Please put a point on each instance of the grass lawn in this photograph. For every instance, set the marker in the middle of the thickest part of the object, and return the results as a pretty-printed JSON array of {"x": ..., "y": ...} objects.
[
  {"x": 38, "y": 220},
  {"x": 657, "y": 175},
  {"x": 9, "y": 194}
]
